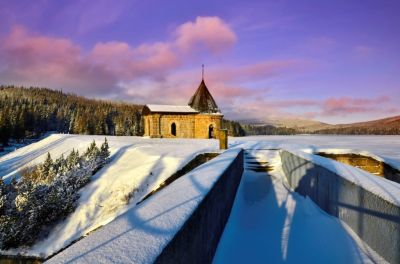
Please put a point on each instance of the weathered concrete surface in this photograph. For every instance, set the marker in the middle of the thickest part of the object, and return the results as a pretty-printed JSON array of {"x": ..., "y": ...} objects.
[
  {"x": 375, "y": 220},
  {"x": 197, "y": 241}
]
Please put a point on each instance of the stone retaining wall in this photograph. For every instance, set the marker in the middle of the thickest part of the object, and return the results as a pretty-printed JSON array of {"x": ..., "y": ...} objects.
[{"x": 368, "y": 164}]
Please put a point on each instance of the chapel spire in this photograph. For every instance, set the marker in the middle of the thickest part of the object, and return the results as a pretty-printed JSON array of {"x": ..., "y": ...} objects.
[{"x": 202, "y": 99}]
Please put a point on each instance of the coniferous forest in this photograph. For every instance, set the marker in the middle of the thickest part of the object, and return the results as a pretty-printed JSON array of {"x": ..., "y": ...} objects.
[{"x": 27, "y": 113}]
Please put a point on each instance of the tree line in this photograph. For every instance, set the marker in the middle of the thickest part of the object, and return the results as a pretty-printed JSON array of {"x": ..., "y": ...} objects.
[
  {"x": 30, "y": 112},
  {"x": 360, "y": 131}
]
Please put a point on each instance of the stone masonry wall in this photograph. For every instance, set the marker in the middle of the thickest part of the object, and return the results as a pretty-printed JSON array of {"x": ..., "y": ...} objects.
[{"x": 187, "y": 125}]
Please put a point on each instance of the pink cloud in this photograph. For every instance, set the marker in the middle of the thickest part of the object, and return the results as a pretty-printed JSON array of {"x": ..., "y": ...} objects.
[
  {"x": 128, "y": 62},
  {"x": 259, "y": 71},
  {"x": 30, "y": 59},
  {"x": 211, "y": 33},
  {"x": 294, "y": 103},
  {"x": 347, "y": 105},
  {"x": 363, "y": 51}
]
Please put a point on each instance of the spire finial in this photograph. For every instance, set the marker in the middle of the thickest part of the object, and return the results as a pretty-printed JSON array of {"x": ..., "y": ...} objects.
[{"x": 202, "y": 71}]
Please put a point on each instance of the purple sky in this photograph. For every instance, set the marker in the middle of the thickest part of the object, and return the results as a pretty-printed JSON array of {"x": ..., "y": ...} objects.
[{"x": 332, "y": 61}]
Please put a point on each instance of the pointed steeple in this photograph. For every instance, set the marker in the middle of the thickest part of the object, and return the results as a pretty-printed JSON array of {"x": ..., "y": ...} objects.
[{"x": 202, "y": 99}]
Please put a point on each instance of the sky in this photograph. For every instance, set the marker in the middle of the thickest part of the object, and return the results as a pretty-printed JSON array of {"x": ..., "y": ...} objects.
[{"x": 331, "y": 61}]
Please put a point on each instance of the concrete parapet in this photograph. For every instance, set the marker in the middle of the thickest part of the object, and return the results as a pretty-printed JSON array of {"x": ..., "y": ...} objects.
[
  {"x": 375, "y": 219},
  {"x": 197, "y": 240}
]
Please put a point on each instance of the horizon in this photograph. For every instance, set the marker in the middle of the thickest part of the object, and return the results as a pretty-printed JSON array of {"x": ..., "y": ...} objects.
[{"x": 330, "y": 62}]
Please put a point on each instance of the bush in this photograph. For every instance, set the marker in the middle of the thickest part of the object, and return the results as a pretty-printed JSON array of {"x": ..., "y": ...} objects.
[{"x": 45, "y": 194}]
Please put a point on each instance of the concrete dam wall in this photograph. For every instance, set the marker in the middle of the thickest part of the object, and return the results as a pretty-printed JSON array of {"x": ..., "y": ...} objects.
[{"x": 374, "y": 218}]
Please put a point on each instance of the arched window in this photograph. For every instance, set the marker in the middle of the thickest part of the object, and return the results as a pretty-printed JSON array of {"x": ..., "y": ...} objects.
[
  {"x": 211, "y": 131},
  {"x": 173, "y": 129}
]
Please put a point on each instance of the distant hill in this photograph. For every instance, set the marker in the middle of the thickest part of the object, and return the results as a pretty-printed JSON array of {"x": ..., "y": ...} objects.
[
  {"x": 386, "y": 126},
  {"x": 291, "y": 126},
  {"x": 297, "y": 123},
  {"x": 390, "y": 122}
]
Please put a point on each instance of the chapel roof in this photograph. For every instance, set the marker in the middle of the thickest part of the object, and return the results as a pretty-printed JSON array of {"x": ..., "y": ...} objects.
[{"x": 203, "y": 101}]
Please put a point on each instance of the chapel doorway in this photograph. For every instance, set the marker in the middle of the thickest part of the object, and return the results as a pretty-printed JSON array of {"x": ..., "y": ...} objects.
[
  {"x": 211, "y": 131},
  {"x": 173, "y": 129}
]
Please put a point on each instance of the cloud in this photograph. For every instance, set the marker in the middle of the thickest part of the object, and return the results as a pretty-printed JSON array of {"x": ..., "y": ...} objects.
[
  {"x": 258, "y": 71},
  {"x": 27, "y": 58},
  {"x": 210, "y": 33},
  {"x": 127, "y": 63},
  {"x": 347, "y": 105},
  {"x": 332, "y": 108},
  {"x": 363, "y": 51}
]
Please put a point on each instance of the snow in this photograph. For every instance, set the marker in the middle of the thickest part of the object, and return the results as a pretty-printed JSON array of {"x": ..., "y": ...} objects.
[
  {"x": 140, "y": 234},
  {"x": 388, "y": 190},
  {"x": 269, "y": 223},
  {"x": 384, "y": 148},
  {"x": 137, "y": 165},
  {"x": 171, "y": 108},
  {"x": 283, "y": 221}
]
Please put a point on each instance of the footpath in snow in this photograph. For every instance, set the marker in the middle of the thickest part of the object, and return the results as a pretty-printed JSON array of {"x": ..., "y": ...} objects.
[{"x": 269, "y": 223}]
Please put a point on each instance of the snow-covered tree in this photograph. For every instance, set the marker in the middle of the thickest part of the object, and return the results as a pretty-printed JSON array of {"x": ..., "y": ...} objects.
[
  {"x": 46, "y": 193},
  {"x": 104, "y": 150}
]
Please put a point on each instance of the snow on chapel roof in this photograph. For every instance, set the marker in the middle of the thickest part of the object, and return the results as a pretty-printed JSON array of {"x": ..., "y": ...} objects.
[{"x": 171, "y": 108}]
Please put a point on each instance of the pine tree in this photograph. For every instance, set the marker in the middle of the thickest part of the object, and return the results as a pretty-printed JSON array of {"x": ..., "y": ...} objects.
[
  {"x": 46, "y": 170},
  {"x": 104, "y": 151}
]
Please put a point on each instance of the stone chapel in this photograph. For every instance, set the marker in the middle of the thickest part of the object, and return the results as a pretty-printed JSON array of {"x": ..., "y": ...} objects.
[{"x": 201, "y": 118}]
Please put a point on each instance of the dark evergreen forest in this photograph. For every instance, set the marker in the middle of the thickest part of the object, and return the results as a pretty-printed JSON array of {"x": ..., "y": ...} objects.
[{"x": 29, "y": 112}]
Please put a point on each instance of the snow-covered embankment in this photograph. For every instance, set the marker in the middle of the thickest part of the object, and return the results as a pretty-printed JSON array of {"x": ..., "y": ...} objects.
[
  {"x": 138, "y": 165},
  {"x": 181, "y": 223}
]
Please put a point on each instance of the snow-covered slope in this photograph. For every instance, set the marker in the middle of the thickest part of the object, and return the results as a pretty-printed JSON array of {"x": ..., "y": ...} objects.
[
  {"x": 137, "y": 165},
  {"x": 142, "y": 163},
  {"x": 141, "y": 233}
]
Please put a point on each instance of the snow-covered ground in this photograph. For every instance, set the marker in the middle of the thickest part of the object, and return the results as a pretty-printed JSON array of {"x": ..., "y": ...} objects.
[
  {"x": 137, "y": 163},
  {"x": 142, "y": 164},
  {"x": 385, "y": 148},
  {"x": 269, "y": 223}
]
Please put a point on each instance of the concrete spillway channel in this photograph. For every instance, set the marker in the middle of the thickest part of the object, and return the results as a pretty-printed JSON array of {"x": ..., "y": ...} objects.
[{"x": 270, "y": 223}]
